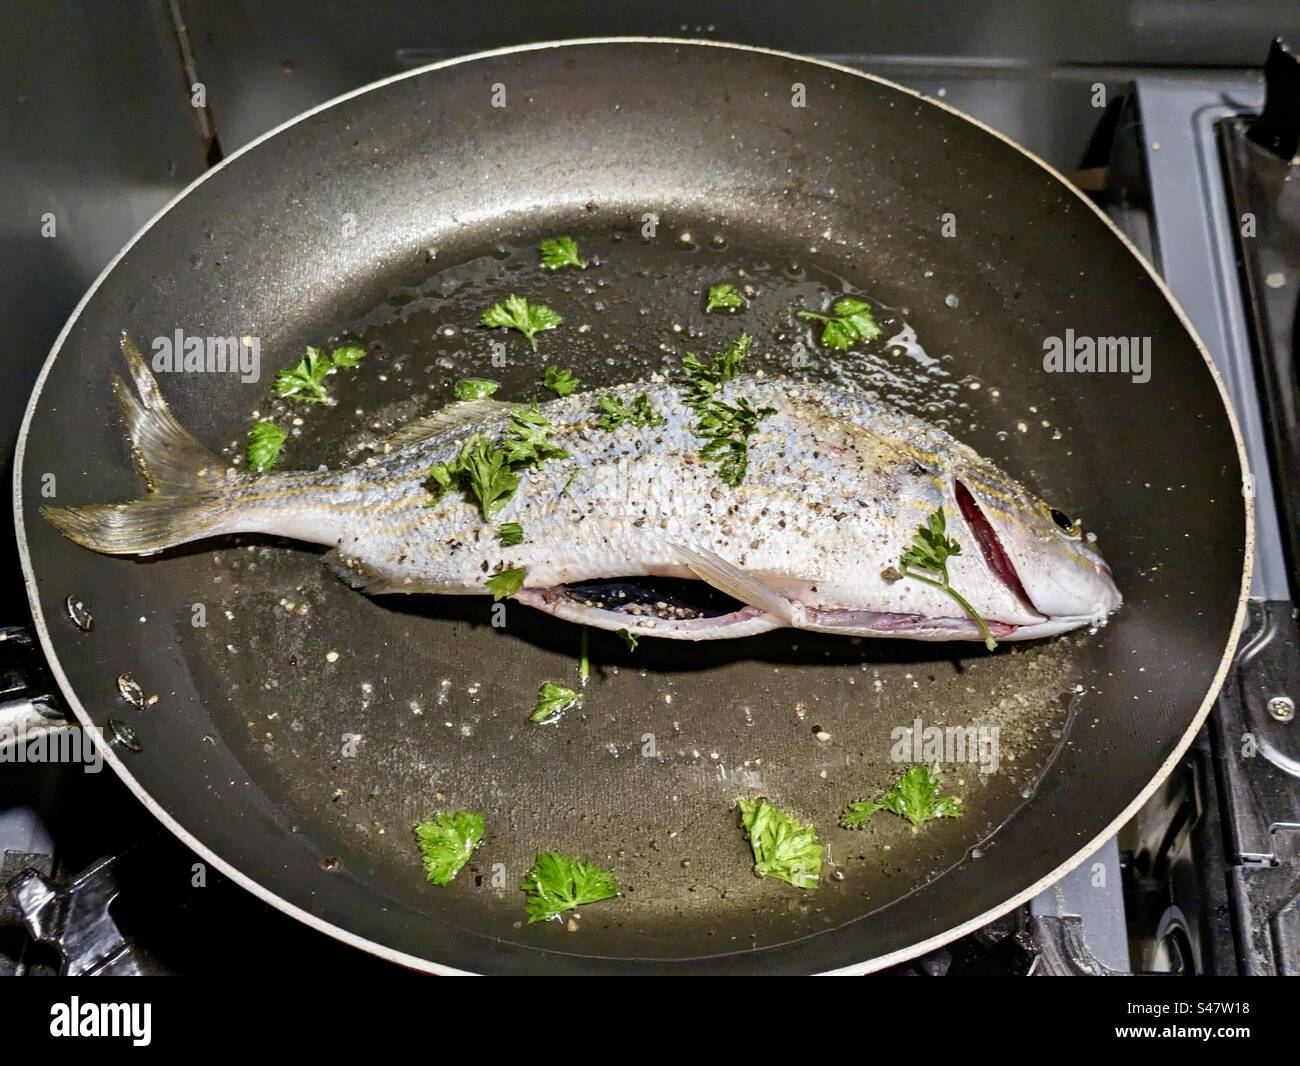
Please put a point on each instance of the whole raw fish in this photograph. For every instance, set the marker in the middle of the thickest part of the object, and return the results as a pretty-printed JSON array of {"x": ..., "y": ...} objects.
[{"x": 835, "y": 489}]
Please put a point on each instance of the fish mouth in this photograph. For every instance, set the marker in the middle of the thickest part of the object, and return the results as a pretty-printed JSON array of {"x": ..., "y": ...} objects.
[{"x": 986, "y": 537}]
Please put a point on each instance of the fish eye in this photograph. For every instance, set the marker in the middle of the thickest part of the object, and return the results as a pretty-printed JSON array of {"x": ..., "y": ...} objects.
[{"x": 1065, "y": 523}]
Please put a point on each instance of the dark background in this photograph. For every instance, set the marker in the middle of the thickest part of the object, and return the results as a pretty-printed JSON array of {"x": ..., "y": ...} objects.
[{"x": 97, "y": 126}]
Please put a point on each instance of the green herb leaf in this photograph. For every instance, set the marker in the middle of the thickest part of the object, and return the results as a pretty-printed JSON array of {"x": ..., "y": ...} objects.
[
  {"x": 552, "y": 701},
  {"x": 510, "y": 534},
  {"x": 783, "y": 846},
  {"x": 306, "y": 379},
  {"x": 447, "y": 841},
  {"x": 723, "y": 298},
  {"x": 927, "y": 561},
  {"x": 857, "y": 813},
  {"x": 349, "y": 355},
  {"x": 475, "y": 388},
  {"x": 487, "y": 470},
  {"x": 560, "y": 252},
  {"x": 629, "y": 638},
  {"x": 525, "y": 438},
  {"x": 703, "y": 379},
  {"x": 850, "y": 321},
  {"x": 560, "y": 382},
  {"x": 559, "y": 883},
  {"x": 639, "y": 412},
  {"x": 914, "y": 796},
  {"x": 517, "y": 313},
  {"x": 725, "y": 428},
  {"x": 265, "y": 439},
  {"x": 505, "y": 584}
]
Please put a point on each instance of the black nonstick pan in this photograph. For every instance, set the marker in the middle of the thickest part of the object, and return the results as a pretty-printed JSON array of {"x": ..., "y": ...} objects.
[{"x": 300, "y": 728}]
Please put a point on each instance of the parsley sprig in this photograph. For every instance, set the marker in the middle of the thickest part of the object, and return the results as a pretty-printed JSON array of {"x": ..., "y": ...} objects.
[
  {"x": 783, "y": 846},
  {"x": 517, "y": 313},
  {"x": 526, "y": 438},
  {"x": 639, "y": 412},
  {"x": 703, "y": 379},
  {"x": 727, "y": 429},
  {"x": 492, "y": 472},
  {"x": 560, "y": 252},
  {"x": 265, "y": 440},
  {"x": 506, "y": 583},
  {"x": 306, "y": 379},
  {"x": 850, "y": 321},
  {"x": 927, "y": 560},
  {"x": 475, "y": 388},
  {"x": 447, "y": 841},
  {"x": 552, "y": 701},
  {"x": 561, "y": 382},
  {"x": 914, "y": 796},
  {"x": 724, "y": 427},
  {"x": 558, "y": 883},
  {"x": 482, "y": 469},
  {"x": 723, "y": 297}
]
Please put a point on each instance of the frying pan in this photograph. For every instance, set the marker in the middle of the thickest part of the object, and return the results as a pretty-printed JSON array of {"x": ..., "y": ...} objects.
[{"x": 301, "y": 729}]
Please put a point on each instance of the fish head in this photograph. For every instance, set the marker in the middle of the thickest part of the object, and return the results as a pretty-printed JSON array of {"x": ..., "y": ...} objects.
[{"x": 1041, "y": 552}]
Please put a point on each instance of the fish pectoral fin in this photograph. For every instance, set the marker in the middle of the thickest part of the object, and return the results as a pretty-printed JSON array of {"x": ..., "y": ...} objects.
[
  {"x": 356, "y": 574},
  {"x": 727, "y": 577},
  {"x": 451, "y": 416}
]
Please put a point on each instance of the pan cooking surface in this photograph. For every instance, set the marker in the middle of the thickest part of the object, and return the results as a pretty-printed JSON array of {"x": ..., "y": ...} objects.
[
  {"x": 395, "y": 217},
  {"x": 643, "y": 778}
]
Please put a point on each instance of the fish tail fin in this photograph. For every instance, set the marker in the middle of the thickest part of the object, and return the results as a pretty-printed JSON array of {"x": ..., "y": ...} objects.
[
  {"x": 141, "y": 527},
  {"x": 182, "y": 476},
  {"x": 169, "y": 457}
]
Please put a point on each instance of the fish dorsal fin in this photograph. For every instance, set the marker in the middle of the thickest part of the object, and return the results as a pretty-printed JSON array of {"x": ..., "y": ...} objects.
[{"x": 451, "y": 416}]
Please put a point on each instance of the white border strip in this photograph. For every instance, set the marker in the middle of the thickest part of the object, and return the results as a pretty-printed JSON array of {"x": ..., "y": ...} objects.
[{"x": 412, "y": 961}]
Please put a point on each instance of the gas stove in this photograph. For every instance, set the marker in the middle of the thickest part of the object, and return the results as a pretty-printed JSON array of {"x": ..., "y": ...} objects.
[{"x": 1197, "y": 167}]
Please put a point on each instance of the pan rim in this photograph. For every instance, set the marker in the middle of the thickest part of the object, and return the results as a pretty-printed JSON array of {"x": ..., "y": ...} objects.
[{"x": 428, "y": 965}]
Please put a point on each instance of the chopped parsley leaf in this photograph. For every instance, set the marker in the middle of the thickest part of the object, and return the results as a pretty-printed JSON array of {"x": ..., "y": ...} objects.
[
  {"x": 447, "y": 841},
  {"x": 306, "y": 380},
  {"x": 703, "y": 379},
  {"x": 927, "y": 561},
  {"x": 723, "y": 298},
  {"x": 560, "y": 252},
  {"x": 349, "y": 355},
  {"x": 517, "y": 313},
  {"x": 525, "y": 438},
  {"x": 510, "y": 534},
  {"x": 914, "y": 796},
  {"x": 559, "y": 883},
  {"x": 265, "y": 439},
  {"x": 638, "y": 413},
  {"x": 475, "y": 388},
  {"x": 486, "y": 469},
  {"x": 783, "y": 846},
  {"x": 552, "y": 701},
  {"x": 560, "y": 382},
  {"x": 850, "y": 320},
  {"x": 726, "y": 429},
  {"x": 506, "y": 583}
]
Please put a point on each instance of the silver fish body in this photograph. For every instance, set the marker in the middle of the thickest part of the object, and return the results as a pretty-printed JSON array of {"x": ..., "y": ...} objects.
[{"x": 836, "y": 487}]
